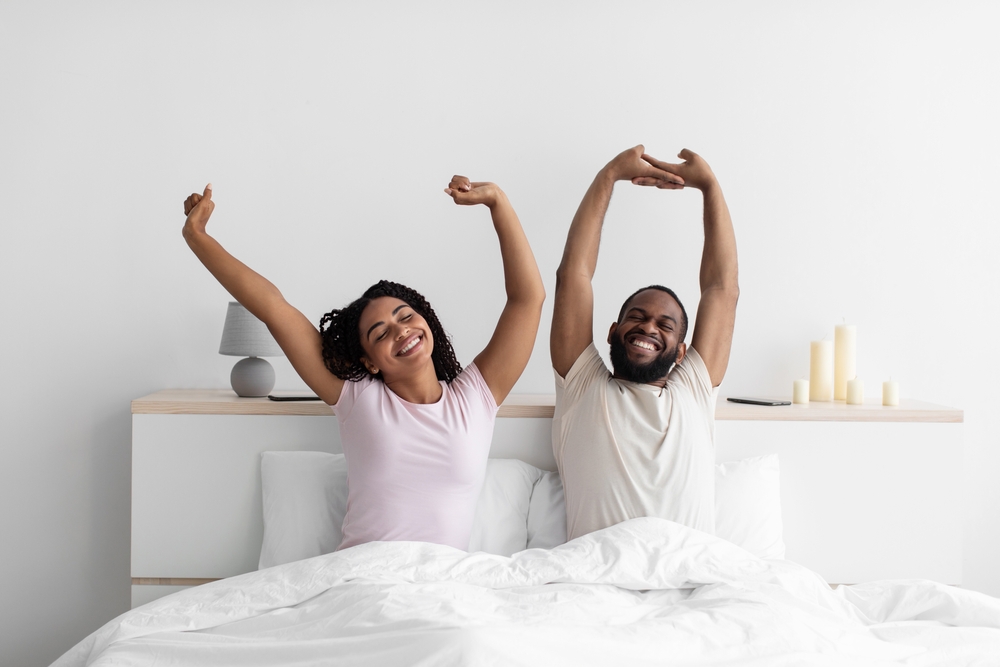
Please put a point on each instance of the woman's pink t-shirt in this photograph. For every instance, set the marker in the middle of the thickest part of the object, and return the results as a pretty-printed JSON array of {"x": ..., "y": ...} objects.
[{"x": 414, "y": 471}]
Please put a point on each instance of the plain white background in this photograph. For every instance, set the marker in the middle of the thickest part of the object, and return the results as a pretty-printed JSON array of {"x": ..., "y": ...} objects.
[{"x": 857, "y": 145}]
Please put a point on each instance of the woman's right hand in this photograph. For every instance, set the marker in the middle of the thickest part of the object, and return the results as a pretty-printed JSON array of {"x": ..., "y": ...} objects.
[{"x": 198, "y": 209}]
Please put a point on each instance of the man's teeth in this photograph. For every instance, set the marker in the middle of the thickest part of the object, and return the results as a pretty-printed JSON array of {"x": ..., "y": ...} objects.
[
  {"x": 410, "y": 345},
  {"x": 643, "y": 344}
]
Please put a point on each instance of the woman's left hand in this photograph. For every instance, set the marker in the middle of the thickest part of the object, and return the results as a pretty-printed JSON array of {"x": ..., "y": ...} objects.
[{"x": 467, "y": 193}]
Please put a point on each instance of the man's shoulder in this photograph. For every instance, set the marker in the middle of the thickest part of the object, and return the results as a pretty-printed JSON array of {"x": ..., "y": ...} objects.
[
  {"x": 584, "y": 382},
  {"x": 692, "y": 372},
  {"x": 589, "y": 366}
]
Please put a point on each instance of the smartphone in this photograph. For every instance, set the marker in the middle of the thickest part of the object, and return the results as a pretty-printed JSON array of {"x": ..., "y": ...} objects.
[
  {"x": 292, "y": 398},
  {"x": 759, "y": 401}
]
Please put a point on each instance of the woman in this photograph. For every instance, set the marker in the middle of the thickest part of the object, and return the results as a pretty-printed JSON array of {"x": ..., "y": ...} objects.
[{"x": 415, "y": 427}]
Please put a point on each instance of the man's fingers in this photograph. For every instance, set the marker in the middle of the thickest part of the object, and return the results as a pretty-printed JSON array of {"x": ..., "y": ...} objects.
[
  {"x": 208, "y": 191},
  {"x": 660, "y": 164},
  {"x": 646, "y": 180},
  {"x": 664, "y": 172},
  {"x": 652, "y": 160},
  {"x": 660, "y": 183}
]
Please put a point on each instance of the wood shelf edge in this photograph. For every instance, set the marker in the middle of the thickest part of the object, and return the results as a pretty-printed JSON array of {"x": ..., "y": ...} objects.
[{"x": 542, "y": 406}]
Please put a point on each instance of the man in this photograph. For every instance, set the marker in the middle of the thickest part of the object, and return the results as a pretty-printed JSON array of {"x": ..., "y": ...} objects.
[{"x": 638, "y": 441}]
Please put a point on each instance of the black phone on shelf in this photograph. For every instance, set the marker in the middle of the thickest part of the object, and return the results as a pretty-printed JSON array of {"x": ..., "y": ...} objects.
[
  {"x": 759, "y": 401},
  {"x": 292, "y": 398}
]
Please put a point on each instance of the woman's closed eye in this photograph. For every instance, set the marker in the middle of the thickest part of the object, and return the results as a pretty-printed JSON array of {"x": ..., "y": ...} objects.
[{"x": 404, "y": 318}]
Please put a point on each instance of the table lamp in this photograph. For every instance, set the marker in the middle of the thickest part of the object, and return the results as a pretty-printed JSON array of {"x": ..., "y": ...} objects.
[{"x": 245, "y": 336}]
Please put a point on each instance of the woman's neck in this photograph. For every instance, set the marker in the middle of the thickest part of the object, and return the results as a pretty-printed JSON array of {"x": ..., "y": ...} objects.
[{"x": 422, "y": 388}]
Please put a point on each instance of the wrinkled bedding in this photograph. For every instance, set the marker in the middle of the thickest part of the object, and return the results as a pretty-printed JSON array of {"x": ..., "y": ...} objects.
[{"x": 644, "y": 592}]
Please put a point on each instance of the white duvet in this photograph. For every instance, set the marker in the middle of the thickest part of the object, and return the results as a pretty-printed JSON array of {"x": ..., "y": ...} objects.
[{"x": 645, "y": 592}]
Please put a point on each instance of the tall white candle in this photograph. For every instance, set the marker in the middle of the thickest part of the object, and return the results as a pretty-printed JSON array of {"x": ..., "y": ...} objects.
[
  {"x": 890, "y": 393},
  {"x": 845, "y": 367},
  {"x": 821, "y": 371},
  {"x": 800, "y": 391},
  {"x": 855, "y": 392}
]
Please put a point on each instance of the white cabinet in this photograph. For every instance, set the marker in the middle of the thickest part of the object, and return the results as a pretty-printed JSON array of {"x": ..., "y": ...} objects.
[
  {"x": 867, "y": 492},
  {"x": 863, "y": 501}
]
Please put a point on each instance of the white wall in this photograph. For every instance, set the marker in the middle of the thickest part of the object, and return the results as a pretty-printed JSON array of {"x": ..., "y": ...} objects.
[{"x": 857, "y": 144}]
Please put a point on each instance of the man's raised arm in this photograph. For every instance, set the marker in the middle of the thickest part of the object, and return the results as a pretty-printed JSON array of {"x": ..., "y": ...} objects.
[
  {"x": 573, "y": 313},
  {"x": 713, "y": 331}
]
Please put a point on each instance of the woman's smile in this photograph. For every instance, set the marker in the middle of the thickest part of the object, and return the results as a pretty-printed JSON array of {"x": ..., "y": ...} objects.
[{"x": 412, "y": 343}]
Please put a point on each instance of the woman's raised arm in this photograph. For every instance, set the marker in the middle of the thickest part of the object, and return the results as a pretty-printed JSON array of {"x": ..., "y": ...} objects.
[
  {"x": 508, "y": 351},
  {"x": 295, "y": 334}
]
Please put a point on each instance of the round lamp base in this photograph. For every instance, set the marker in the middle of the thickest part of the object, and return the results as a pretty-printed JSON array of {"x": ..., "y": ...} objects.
[{"x": 252, "y": 377}]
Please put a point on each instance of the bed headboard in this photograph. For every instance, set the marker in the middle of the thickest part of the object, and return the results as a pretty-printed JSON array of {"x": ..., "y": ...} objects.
[{"x": 868, "y": 492}]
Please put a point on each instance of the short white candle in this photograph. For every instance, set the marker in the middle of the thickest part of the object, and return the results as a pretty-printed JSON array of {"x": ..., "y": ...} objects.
[
  {"x": 821, "y": 371},
  {"x": 890, "y": 393},
  {"x": 800, "y": 391},
  {"x": 845, "y": 343},
  {"x": 855, "y": 392}
]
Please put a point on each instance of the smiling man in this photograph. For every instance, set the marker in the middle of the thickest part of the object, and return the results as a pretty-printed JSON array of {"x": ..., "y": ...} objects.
[{"x": 639, "y": 440}]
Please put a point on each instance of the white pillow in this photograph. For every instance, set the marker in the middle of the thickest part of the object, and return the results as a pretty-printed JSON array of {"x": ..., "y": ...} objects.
[
  {"x": 547, "y": 513},
  {"x": 501, "y": 523},
  {"x": 305, "y": 500},
  {"x": 748, "y": 505},
  {"x": 520, "y": 506}
]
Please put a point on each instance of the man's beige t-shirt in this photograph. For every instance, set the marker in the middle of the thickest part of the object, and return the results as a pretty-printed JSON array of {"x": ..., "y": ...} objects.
[{"x": 628, "y": 450}]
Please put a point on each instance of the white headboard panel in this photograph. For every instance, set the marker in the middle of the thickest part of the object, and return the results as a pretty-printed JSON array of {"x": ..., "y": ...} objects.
[{"x": 870, "y": 492}]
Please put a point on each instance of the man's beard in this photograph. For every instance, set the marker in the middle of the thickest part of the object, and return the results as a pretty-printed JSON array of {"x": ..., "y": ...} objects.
[{"x": 647, "y": 373}]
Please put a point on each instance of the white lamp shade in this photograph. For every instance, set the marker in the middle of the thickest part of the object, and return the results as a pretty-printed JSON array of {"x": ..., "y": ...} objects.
[{"x": 246, "y": 336}]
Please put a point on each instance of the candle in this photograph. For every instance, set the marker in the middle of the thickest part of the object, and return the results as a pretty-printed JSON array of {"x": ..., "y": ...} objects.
[
  {"x": 800, "y": 391},
  {"x": 845, "y": 338},
  {"x": 821, "y": 371},
  {"x": 855, "y": 392},
  {"x": 890, "y": 393}
]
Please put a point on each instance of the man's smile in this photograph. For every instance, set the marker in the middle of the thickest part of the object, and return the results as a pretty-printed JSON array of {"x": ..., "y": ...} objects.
[{"x": 643, "y": 342}]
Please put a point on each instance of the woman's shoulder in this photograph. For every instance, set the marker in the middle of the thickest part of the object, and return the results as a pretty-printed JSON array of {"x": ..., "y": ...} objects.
[
  {"x": 472, "y": 383},
  {"x": 349, "y": 395}
]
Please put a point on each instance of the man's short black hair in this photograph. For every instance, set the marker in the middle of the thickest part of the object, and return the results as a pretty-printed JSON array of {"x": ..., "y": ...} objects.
[{"x": 684, "y": 315}]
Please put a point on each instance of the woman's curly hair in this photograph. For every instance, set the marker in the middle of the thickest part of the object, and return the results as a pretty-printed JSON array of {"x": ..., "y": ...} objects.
[{"x": 341, "y": 336}]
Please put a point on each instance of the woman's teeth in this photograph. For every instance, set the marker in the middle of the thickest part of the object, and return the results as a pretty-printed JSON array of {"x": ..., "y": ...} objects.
[{"x": 410, "y": 345}]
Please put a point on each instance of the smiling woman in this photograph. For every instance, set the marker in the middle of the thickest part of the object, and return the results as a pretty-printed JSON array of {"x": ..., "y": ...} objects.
[
  {"x": 351, "y": 356},
  {"x": 415, "y": 427}
]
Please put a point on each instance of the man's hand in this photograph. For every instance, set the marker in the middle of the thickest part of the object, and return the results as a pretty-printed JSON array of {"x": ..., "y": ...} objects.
[
  {"x": 466, "y": 193},
  {"x": 198, "y": 209},
  {"x": 634, "y": 165},
  {"x": 694, "y": 170}
]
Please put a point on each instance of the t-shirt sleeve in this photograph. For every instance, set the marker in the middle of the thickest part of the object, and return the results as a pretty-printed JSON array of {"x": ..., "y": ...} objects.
[
  {"x": 348, "y": 395},
  {"x": 587, "y": 368},
  {"x": 692, "y": 374},
  {"x": 472, "y": 383}
]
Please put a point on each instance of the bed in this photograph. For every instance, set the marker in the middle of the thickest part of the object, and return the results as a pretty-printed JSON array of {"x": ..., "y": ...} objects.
[{"x": 646, "y": 591}]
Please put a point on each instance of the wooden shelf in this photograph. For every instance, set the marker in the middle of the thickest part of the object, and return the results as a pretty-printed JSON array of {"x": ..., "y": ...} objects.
[
  {"x": 222, "y": 402},
  {"x": 225, "y": 402},
  {"x": 908, "y": 410}
]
